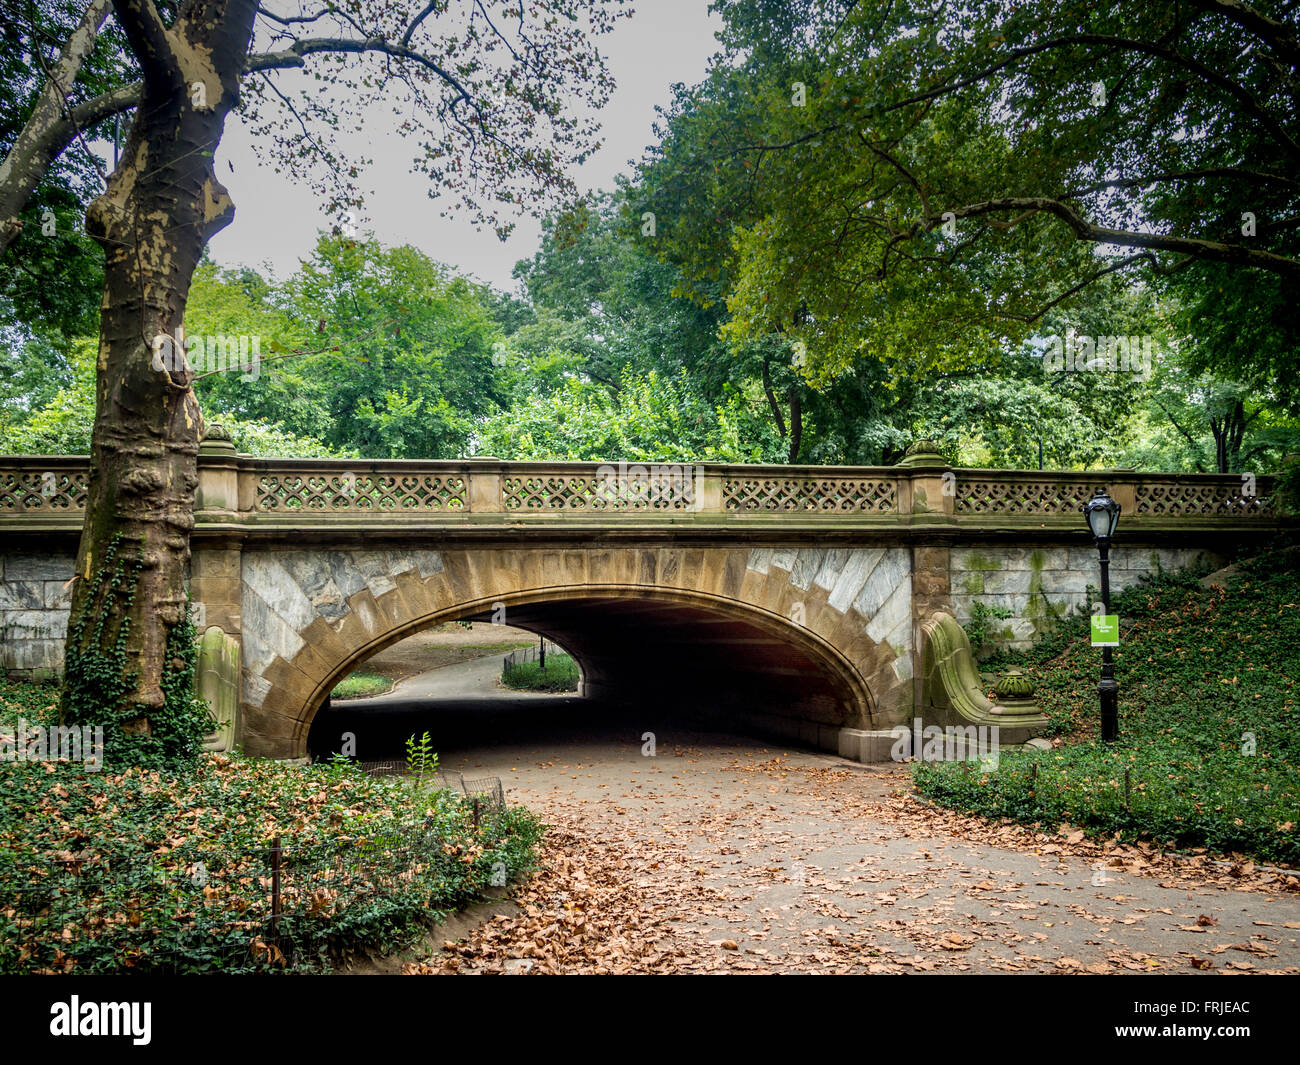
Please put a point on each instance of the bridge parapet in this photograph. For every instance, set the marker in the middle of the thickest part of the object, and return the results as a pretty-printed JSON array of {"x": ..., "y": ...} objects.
[{"x": 41, "y": 493}]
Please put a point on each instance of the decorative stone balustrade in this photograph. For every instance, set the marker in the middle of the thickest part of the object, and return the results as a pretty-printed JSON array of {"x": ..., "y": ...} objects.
[{"x": 44, "y": 491}]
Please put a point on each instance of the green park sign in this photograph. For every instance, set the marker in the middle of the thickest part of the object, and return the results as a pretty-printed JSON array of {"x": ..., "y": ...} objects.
[{"x": 1105, "y": 630}]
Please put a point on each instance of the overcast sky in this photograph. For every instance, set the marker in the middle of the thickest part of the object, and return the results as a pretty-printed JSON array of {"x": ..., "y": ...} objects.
[{"x": 276, "y": 222}]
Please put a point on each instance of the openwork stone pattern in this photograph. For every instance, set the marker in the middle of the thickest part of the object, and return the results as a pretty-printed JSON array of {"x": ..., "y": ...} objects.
[
  {"x": 34, "y": 490},
  {"x": 339, "y": 493},
  {"x": 33, "y": 486},
  {"x": 599, "y": 493},
  {"x": 1178, "y": 500},
  {"x": 829, "y": 495},
  {"x": 1021, "y": 497}
]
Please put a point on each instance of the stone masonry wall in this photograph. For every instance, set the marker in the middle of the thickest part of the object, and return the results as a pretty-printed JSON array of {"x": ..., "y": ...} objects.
[
  {"x": 1037, "y": 585},
  {"x": 34, "y": 607},
  {"x": 1040, "y": 584}
]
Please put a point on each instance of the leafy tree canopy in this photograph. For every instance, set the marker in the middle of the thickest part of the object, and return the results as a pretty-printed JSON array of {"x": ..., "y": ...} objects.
[{"x": 918, "y": 184}]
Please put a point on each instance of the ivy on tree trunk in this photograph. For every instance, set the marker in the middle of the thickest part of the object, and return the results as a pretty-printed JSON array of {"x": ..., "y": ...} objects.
[{"x": 161, "y": 206}]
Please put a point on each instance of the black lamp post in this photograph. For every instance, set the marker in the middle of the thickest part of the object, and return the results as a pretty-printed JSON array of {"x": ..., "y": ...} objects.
[{"x": 1102, "y": 515}]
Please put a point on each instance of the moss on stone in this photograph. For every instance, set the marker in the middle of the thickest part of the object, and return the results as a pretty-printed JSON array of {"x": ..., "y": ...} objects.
[{"x": 1040, "y": 611}]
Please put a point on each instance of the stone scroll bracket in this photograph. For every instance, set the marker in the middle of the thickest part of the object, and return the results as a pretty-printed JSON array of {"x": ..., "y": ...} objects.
[{"x": 951, "y": 697}]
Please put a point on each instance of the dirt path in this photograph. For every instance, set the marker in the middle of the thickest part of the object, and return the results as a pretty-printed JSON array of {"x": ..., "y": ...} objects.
[{"x": 719, "y": 854}]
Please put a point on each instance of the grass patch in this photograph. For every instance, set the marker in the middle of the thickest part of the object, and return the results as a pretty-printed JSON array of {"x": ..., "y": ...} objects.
[
  {"x": 560, "y": 675},
  {"x": 147, "y": 870},
  {"x": 1209, "y": 723},
  {"x": 361, "y": 685}
]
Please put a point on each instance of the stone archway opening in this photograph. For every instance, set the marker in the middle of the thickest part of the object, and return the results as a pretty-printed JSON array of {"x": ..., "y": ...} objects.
[{"x": 648, "y": 659}]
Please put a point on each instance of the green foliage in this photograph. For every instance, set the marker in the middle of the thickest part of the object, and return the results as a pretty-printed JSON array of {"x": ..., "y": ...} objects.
[
  {"x": 36, "y": 702},
  {"x": 169, "y": 871},
  {"x": 560, "y": 675},
  {"x": 1195, "y": 421},
  {"x": 271, "y": 439},
  {"x": 51, "y": 287},
  {"x": 63, "y": 425},
  {"x": 978, "y": 630},
  {"x": 819, "y": 218},
  {"x": 1209, "y": 721},
  {"x": 361, "y": 685},
  {"x": 406, "y": 365},
  {"x": 178, "y": 728},
  {"x": 58, "y": 423},
  {"x": 649, "y": 419},
  {"x": 1288, "y": 485},
  {"x": 95, "y": 680},
  {"x": 421, "y": 758},
  {"x": 609, "y": 313},
  {"x": 291, "y": 392}
]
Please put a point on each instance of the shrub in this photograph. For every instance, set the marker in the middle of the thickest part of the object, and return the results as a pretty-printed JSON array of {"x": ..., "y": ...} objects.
[{"x": 152, "y": 871}]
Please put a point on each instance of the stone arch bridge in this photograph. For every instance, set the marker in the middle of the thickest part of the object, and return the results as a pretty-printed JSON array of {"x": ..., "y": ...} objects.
[{"x": 822, "y": 604}]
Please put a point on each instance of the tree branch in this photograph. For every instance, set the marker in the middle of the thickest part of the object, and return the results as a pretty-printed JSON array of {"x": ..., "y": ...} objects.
[
  {"x": 1209, "y": 75},
  {"x": 289, "y": 20},
  {"x": 425, "y": 12},
  {"x": 1258, "y": 176},
  {"x": 1200, "y": 466},
  {"x": 34, "y": 150},
  {"x": 1277, "y": 35},
  {"x": 1210, "y": 250},
  {"x": 771, "y": 397},
  {"x": 296, "y": 55},
  {"x": 151, "y": 44},
  {"x": 1122, "y": 264}
]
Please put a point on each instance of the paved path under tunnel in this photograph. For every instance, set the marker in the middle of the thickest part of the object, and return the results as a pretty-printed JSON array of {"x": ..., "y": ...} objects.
[
  {"x": 722, "y": 853},
  {"x": 477, "y": 679}
]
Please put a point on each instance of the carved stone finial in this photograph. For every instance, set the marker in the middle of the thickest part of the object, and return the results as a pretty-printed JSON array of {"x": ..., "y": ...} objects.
[
  {"x": 924, "y": 453},
  {"x": 1014, "y": 686},
  {"x": 216, "y": 440}
]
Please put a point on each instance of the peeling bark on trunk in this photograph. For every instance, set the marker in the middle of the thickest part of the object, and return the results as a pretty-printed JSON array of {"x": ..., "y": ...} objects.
[{"x": 162, "y": 204}]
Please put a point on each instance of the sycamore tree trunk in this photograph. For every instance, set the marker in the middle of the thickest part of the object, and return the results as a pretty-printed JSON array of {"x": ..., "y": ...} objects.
[{"x": 161, "y": 206}]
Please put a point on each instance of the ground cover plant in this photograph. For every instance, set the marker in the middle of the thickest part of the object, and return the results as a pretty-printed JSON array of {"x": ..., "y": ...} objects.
[
  {"x": 360, "y": 684},
  {"x": 172, "y": 871},
  {"x": 1209, "y": 749}
]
